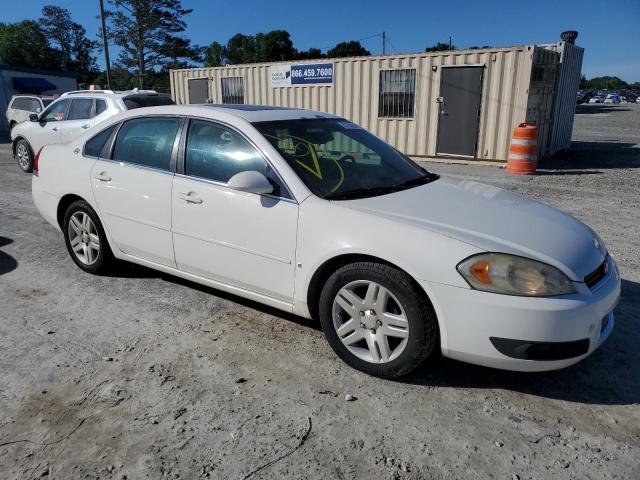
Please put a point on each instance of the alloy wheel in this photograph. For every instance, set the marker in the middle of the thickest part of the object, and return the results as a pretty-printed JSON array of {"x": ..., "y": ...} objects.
[
  {"x": 83, "y": 238},
  {"x": 370, "y": 321},
  {"x": 22, "y": 154}
]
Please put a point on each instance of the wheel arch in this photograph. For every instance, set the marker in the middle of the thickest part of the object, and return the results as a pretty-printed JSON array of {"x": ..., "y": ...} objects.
[
  {"x": 325, "y": 270},
  {"x": 63, "y": 205},
  {"x": 15, "y": 143}
]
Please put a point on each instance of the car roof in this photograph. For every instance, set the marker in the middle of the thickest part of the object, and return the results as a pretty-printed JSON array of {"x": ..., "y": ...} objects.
[{"x": 250, "y": 113}]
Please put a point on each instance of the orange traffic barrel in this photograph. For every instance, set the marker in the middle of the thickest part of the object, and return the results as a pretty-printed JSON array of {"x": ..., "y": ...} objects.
[{"x": 523, "y": 151}]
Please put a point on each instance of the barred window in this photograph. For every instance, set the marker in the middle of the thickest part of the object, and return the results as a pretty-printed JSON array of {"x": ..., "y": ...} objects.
[
  {"x": 397, "y": 93},
  {"x": 233, "y": 90}
]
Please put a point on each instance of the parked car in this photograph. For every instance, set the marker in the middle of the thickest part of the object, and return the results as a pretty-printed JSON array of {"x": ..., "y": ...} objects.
[
  {"x": 596, "y": 99},
  {"x": 638, "y": 100},
  {"x": 611, "y": 98},
  {"x": 21, "y": 106},
  {"x": 311, "y": 214},
  {"x": 71, "y": 115}
]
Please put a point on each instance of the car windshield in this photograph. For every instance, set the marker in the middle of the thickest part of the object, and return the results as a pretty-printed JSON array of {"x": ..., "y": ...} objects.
[{"x": 339, "y": 160}]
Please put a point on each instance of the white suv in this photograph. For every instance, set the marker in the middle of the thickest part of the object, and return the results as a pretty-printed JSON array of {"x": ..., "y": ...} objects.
[
  {"x": 71, "y": 115},
  {"x": 21, "y": 106}
]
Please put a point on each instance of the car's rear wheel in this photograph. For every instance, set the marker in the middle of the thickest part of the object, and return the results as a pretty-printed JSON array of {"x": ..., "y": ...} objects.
[
  {"x": 85, "y": 238},
  {"x": 377, "y": 320},
  {"x": 24, "y": 156}
]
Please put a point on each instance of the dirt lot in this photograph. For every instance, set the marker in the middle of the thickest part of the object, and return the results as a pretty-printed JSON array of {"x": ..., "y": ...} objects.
[{"x": 141, "y": 375}]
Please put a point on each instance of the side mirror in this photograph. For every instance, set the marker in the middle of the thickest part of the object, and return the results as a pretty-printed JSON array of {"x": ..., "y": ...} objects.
[
  {"x": 250, "y": 181},
  {"x": 33, "y": 117}
]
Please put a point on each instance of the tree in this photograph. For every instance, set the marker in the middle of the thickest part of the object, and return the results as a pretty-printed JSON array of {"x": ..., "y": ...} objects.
[
  {"x": 241, "y": 49},
  {"x": 440, "y": 47},
  {"x": 274, "y": 46},
  {"x": 348, "y": 49},
  {"x": 24, "y": 44},
  {"x": 147, "y": 33},
  {"x": 310, "y": 54},
  {"x": 75, "y": 50},
  {"x": 584, "y": 83},
  {"x": 600, "y": 83},
  {"x": 215, "y": 55}
]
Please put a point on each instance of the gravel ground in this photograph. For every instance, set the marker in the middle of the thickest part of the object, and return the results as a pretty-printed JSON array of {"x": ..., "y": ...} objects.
[{"x": 141, "y": 375}]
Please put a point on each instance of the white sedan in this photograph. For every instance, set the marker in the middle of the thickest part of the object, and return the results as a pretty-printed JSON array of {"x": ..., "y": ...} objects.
[{"x": 311, "y": 214}]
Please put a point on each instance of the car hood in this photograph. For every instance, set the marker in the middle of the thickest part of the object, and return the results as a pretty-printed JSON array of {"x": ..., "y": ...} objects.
[{"x": 495, "y": 220}]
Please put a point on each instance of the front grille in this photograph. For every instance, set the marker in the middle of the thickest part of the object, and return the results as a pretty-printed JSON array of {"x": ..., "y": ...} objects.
[{"x": 597, "y": 275}]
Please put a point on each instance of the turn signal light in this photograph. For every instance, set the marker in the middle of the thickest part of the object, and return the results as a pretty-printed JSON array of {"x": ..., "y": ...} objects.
[{"x": 480, "y": 271}]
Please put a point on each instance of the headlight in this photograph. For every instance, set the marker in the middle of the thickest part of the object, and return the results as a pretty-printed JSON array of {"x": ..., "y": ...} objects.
[{"x": 512, "y": 275}]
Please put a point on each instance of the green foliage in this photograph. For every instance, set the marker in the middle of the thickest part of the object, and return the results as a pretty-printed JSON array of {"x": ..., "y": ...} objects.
[
  {"x": 440, "y": 47},
  {"x": 69, "y": 39},
  {"x": 24, "y": 44},
  {"x": 348, "y": 49},
  {"x": 310, "y": 54},
  {"x": 601, "y": 83},
  {"x": 215, "y": 55},
  {"x": 147, "y": 31}
]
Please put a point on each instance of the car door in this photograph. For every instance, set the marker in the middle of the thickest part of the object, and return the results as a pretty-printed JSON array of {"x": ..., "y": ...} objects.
[
  {"x": 132, "y": 187},
  {"x": 241, "y": 239},
  {"x": 83, "y": 114},
  {"x": 47, "y": 130}
]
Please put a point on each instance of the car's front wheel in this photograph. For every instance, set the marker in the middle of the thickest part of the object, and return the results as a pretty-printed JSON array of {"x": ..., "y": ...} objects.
[
  {"x": 377, "y": 320},
  {"x": 24, "y": 156},
  {"x": 85, "y": 238}
]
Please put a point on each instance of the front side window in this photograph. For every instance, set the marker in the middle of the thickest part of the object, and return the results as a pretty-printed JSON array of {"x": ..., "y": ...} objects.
[
  {"x": 339, "y": 160},
  {"x": 217, "y": 153},
  {"x": 34, "y": 105},
  {"x": 80, "y": 109},
  {"x": 95, "y": 145},
  {"x": 147, "y": 142},
  {"x": 56, "y": 111},
  {"x": 397, "y": 92},
  {"x": 233, "y": 90}
]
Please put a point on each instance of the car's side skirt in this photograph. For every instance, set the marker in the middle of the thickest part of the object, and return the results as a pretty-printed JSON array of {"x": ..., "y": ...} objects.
[{"x": 241, "y": 292}]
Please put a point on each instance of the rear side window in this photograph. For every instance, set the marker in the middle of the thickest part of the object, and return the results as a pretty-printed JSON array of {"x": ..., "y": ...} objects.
[
  {"x": 34, "y": 105},
  {"x": 139, "y": 101},
  {"x": 56, "y": 112},
  {"x": 19, "y": 104},
  {"x": 101, "y": 106},
  {"x": 94, "y": 147},
  {"x": 80, "y": 109},
  {"x": 147, "y": 142}
]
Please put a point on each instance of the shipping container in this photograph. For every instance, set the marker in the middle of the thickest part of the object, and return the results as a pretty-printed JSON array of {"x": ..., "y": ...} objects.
[{"x": 453, "y": 104}]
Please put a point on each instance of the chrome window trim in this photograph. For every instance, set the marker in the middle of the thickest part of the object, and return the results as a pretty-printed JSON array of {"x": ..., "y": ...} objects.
[
  {"x": 253, "y": 145},
  {"x": 135, "y": 165}
]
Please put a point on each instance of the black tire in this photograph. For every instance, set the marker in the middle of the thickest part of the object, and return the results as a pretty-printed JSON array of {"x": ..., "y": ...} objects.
[
  {"x": 105, "y": 259},
  {"x": 423, "y": 326},
  {"x": 26, "y": 165}
]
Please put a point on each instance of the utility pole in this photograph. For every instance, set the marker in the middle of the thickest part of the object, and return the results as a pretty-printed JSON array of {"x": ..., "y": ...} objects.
[
  {"x": 105, "y": 45},
  {"x": 384, "y": 43},
  {"x": 450, "y": 37}
]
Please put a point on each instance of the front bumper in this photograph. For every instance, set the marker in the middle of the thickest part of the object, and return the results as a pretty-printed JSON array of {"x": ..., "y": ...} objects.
[{"x": 547, "y": 333}]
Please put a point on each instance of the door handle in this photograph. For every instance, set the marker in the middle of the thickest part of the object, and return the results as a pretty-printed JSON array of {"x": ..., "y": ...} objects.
[
  {"x": 102, "y": 177},
  {"x": 55, "y": 129},
  {"x": 86, "y": 126},
  {"x": 189, "y": 197}
]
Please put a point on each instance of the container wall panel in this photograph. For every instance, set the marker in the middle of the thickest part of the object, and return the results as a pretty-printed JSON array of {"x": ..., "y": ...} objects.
[{"x": 355, "y": 91}]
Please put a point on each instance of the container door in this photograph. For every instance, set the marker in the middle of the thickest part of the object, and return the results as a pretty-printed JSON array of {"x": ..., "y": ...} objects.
[
  {"x": 459, "y": 112},
  {"x": 198, "y": 90}
]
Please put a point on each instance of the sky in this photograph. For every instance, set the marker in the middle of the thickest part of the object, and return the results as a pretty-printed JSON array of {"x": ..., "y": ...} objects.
[{"x": 610, "y": 35}]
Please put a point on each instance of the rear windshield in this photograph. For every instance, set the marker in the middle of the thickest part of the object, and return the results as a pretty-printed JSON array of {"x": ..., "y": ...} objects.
[{"x": 139, "y": 101}]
